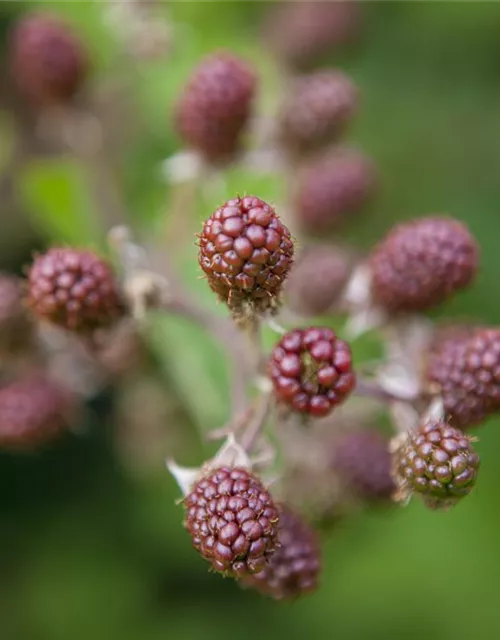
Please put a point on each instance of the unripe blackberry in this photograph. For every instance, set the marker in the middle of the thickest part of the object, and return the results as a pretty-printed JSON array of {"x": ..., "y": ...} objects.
[
  {"x": 294, "y": 568},
  {"x": 363, "y": 460},
  {"x": 47, "y": 61},
  {"x": 332, "y": 189},
  {"x": 233, "y": 521},
  {"x": 302, "y": 33},
  {"x": 311, "y": 370},
  {"x": 74, "y": 289},
  {"x": 465, "y": 372},
  {"x": 32, "y": 412},
  {"x": 421, "y": 263},
  {"x": 317, "y": 110},
  {"x": 246, "y": 253},
  {"x": 215, "y": 106},
  {"x": 438, "y": 462},
  {"x": 317, "y": 279}
]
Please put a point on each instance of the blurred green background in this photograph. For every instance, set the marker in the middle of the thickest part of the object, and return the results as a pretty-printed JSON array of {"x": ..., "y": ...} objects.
[{"x": 89, "y": 550}]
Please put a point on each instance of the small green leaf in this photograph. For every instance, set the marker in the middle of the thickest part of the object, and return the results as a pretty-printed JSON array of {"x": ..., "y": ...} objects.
[{"x": 56, "y": 194}]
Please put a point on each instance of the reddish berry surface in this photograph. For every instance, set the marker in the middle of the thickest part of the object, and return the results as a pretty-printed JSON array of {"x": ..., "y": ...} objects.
[
  {"x": 317, "y": 110},
  {"x": 334, "y": 188},
  {"x": 295, "y": 567},
  {"x": 316, "y": 279},
  {"x": 438, "y": 462},
  {"x": 362, "y": 459},
  {"x": 216, "y": 105},
  {"x": 246, "y": 253},
  {"x": 233, "y": 521},
  {"x": 302, "y": 32},
  {"x": 74, "y": 289},
  {"x": 465, "y": 371},
  {"x": 32, "y": 412},
  {"x": 47, "y": 61},
  {"x": 422, "y": 263},
  {"x": 311, "y": 370}
]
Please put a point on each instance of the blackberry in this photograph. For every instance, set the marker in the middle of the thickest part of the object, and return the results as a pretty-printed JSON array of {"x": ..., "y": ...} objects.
[
  {"x": 317, "y": 279},
  {"x": 332, "y": 189},
  {"x": 362, "y": 459},
  {"x": 233, "y": 521},
  {"x": 422, "y": 263},
  {"x": 33, "y": 411},
  {"x": 317, "y": 110},
  {"x": 438, "y": 462},
  {"x": 246, "y": 253},
  {"x": 303, "y": 32},
  {"x": 294, "y": 568},
  {"x": 465, "y": 371},
  {"x": 311, "y": 370},
  {"x": 47, "y": 61},
  {"x": 74, "y": 289},
  {"x": 216, "y": 105}
]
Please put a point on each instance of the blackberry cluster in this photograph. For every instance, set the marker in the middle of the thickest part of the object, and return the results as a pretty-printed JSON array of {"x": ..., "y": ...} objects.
[
  {"x": 422, "y": 263},
  {"x": 332, "y": 189},
  {"x": 362, "y": 459},
  {"x": 465, "y": 371},
  {"x": 246, "y": 253},
  {"x": 317, "y": 279},
  {"x": 294, "y": 569},
  {"x": 74, "y": 289},
  {"x": 317, "y": 110},
  {"x": 33, "y": 411},
  {"x": 311, "y": 371},
  {"x": 47, "y": 61},
  {"x": 438, "y": 463},
  {"x": 233, "y": 521},
  {"x": 216, "y": 105}
]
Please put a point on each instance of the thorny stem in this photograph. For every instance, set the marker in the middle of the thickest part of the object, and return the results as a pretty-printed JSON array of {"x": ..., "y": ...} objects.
[{"x": 257, "y": 423}]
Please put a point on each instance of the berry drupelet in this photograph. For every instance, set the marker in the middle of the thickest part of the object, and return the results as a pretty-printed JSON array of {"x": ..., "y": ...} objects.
[
  {"x": 294, "y": 568},
  {"x": 74, "y": 289},
  {"x": 465, "y": 371},
  {"x": 311, "y": 371},
  {"x": 216, "y": 105},
  {"x": 332, "y": 189},
  {"x": 316, "y": 111},
  {"x": 233, "y": 521},
  {"x": 317, "y": 279},
  {"x": 421, "y": 263},
  {"x": 32, "y": 412},
  {"x": 438, "y": 462},
  {"x": 47, "y": 61},
  {"x": 362, "y": 459},
  {"x": 246, "y": 253}
]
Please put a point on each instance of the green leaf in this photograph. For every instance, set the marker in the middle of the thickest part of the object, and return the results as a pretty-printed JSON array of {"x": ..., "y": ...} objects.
[{"x": 56, "y": 194}]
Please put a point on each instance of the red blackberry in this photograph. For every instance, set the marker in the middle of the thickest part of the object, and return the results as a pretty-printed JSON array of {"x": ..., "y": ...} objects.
[
  {"x": 294, "y": 568},
  {"x": 465, "y": 372},
  {"x": 302, "y": 33},
  {"x": 74, "y": 289},
  {"x": 233, "y": 521},
  {"x": 47, "y": 61},
  {"x": 438, "y": 462},
  {"x": 362, "y": 459},
  {"x": 421, "y": 263},
  {"x": 246, "y": 253},
  {"x": 317, "y": 110},
  {"x": 215, "y": 106},
  {"x": 32, "y": 412},
  {"x": 311, "y": 370},
  {"x": 317, "y": 279},
  {"x": 332, "y": 189}
]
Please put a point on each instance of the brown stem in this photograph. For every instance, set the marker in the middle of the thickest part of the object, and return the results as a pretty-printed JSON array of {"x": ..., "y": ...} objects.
[
  {"x": 369, "y": 389},
  {"x": 258, "y": 421}
]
